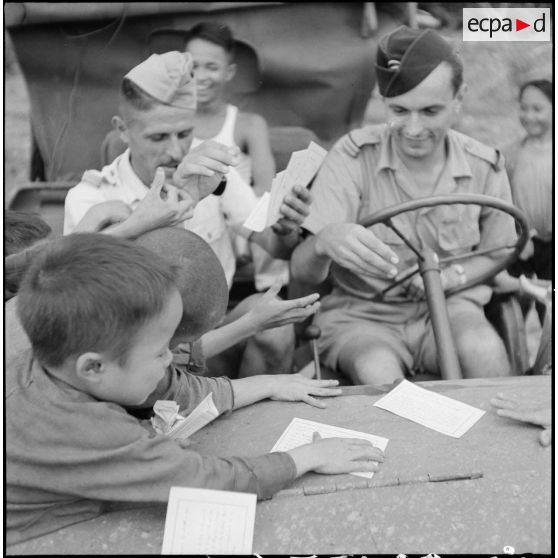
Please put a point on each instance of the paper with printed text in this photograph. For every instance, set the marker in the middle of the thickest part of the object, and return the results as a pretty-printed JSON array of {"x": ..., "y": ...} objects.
[
  {"x": 430, "y": 409},
  {"x": 300, "y": 432},
  {"x": 202, "y": 521}
]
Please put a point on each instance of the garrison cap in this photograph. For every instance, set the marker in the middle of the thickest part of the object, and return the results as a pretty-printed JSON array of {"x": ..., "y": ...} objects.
[
  {"x": 167, "y": 77},
  {"x": 407, "y": 56}
]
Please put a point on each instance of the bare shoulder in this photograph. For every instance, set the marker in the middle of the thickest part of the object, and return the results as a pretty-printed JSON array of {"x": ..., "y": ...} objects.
[{"x": 250, "y": 126}]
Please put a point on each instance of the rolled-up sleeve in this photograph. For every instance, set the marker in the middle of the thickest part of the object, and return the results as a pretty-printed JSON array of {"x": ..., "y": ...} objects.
[
  {"x": 497, "y": 228},
  {"x": 78, "y": 201},
  {"x": 336, "y": 191}
]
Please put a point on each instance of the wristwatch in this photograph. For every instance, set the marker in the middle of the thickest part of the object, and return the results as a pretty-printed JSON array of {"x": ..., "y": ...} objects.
[{"x": 221, "y": 188}]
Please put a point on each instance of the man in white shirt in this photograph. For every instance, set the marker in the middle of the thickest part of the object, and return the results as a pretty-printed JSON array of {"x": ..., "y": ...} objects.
[{"x": 156, "y": 120}]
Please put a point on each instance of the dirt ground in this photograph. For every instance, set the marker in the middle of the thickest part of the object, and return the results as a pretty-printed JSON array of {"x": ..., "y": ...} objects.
[{"x": 493, "y": 72}]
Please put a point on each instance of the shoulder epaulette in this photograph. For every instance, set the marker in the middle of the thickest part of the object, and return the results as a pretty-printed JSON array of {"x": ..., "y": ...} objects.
[
  {"x": 356, "y": 139},
  {"x": 92, "y": 177},
  {"x": 489, "y": 154}
]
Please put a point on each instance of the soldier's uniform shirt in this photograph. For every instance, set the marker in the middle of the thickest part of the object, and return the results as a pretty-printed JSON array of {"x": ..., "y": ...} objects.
[
  {"x": 118, "y": 181},
  {"x": 363, "y": 174}
]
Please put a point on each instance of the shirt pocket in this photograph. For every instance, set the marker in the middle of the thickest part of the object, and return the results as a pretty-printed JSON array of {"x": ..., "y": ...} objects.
[
  {"x": 388, "y": 236},
  {"x": 457, "y": 226}
]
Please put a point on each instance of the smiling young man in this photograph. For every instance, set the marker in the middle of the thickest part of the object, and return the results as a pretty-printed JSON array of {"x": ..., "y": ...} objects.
[
  {"x": 414, "y": 155},
  {"x": 213, "y": 48}
]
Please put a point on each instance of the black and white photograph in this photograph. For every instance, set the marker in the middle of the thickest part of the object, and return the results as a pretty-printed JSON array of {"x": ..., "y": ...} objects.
[{"x": 279, "y": 278}]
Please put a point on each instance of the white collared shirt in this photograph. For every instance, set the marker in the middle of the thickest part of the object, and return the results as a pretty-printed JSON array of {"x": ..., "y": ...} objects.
[{"x": 118, "y": 181}]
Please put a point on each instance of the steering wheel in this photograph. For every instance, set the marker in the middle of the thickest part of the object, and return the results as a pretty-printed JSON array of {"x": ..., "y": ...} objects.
[
  {"x": 429, "y": 266},
  {"x": 386, "y": 215}
]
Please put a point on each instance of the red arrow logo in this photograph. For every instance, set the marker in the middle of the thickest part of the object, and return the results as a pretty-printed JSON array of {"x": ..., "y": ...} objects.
[{"x": 519, "y": 24}]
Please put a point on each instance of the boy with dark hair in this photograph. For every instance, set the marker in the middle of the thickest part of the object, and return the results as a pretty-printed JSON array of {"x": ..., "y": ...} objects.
[
  {"x": 22, "y": 230},
  {"x": 100, "y": 313},
  {"x": 212, "y": 47}
]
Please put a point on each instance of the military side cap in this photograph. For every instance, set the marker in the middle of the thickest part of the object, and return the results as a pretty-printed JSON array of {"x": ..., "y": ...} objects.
[
  {"x": 407, "y": 56},
  {"x": 167, "y": 77}
]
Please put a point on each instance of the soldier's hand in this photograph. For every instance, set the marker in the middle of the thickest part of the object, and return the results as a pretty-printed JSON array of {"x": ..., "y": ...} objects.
[
  {"x": 415, "y": 288},
  {"x": 357, "y": 249},
  {"x": 294, "y": 209},
  {"x": 203, "y": 169}
]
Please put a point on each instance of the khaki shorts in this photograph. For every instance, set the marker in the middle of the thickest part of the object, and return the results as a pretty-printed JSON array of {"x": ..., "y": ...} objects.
[{"x": 403, "y": 327}]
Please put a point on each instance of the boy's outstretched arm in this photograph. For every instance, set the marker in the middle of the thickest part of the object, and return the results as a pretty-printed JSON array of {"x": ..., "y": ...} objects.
[
  {"x": 333, "y": 456},
  {"x": 282, "y": 387},
  {"x": 267, "y": 313}
]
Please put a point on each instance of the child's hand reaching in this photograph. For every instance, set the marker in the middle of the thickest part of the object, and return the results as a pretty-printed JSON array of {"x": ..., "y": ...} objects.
[
  {"x": 331, "y": 456},
  {"x": 271, "y": 311},
  {"x": 534, "y": 412},
  {"x": 295, "y": 387}
]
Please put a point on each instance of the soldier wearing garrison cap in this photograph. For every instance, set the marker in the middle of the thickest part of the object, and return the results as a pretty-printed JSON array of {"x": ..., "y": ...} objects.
[
  {"x": 156, "y": 120},
  {"x": 414, "y": 154},
  {"x": 157, "y": 104}
]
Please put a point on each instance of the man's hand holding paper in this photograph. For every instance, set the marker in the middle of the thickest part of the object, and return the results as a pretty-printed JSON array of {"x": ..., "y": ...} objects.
[{"x": 303, "y": 166}]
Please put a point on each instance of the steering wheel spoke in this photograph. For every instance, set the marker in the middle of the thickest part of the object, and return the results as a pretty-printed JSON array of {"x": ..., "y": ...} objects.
[
  {"x": 429, "y": 266},
  {"x": 407, "y": 275},
  {"x": 389, "y": 223},
  {"x": 385, "y": 216}
]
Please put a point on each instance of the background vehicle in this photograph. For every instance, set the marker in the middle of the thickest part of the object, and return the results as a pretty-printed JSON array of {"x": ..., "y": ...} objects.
[{"x": 300, "y": 65}]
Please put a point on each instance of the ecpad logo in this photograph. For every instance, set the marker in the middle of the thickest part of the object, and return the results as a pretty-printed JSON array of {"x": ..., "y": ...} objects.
[{"x": 506, "y": 24}]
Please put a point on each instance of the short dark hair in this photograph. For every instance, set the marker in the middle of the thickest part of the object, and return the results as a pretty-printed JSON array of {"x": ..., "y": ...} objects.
[
  {"x": 199, "y": 277},
  {"x": 22, "y": 230},
  {"x": 543, "y": 85},
  {"x": 213, "y": 32},
  {"x": 456, "y": 66},
  {"x": 91, "y": 292},
  {"x": 136, "y": 97}
]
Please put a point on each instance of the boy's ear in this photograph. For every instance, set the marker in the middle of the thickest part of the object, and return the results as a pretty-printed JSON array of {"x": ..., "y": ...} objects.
[
  {"x": 119, "y": 125},
  {"x": 231, "y": 71},
  {"x": 89, "y": 367}
]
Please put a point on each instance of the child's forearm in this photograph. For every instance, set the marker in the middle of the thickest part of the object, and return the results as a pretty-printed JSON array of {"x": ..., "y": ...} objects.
[
  {"x": 220, "y": 339},
  {"x": 250, "y": 390},
  {"x": 277, "y": 246}
]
